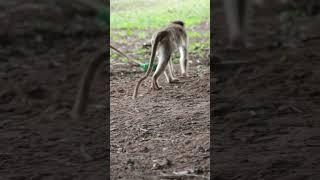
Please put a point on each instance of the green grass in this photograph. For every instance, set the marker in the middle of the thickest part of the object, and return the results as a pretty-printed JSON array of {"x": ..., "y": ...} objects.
[
  {"x": 198, "y": 46},
  {"x": 146, "y": 14},
  {"x": 134, "y": 21},
  {"x": 195, "y": 34}
]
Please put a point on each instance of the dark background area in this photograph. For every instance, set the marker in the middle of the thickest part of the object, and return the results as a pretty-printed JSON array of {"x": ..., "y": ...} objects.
[
  {"x": 45, "y": 48},
  {"x": 266, "y": 99}
]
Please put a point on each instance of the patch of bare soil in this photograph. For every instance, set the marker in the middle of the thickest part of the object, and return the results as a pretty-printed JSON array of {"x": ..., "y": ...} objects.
[
  {"x": 163, "y": 131},
  {"x": 41, "y": 65},
  {"x": 266, "y": 100}
]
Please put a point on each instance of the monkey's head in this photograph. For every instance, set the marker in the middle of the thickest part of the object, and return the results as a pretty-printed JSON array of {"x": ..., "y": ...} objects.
[{"x": 181, "y": 23}]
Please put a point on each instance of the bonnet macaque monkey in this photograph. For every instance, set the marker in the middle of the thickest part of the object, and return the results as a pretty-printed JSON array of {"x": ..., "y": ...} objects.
[
  {"x": 164, "y": 43},
  {"x": 81, "y": 100}
]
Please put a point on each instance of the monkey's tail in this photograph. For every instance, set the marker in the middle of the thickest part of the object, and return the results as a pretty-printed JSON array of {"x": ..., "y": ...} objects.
[
  {"x": 160, "y": 35},
  {"x": 135, "y": 62},
  {"x": 80, "y": 104},
  {"x": 119, "y": 51}
]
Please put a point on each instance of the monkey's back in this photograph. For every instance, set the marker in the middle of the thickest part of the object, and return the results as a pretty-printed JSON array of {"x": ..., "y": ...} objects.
[{"x": 176, "y": 35}]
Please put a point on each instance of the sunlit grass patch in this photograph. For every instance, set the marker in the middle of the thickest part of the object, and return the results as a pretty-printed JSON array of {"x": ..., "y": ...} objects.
[
  {"x": 145, "y": 14},
  {"x": 132, "y": 23}
]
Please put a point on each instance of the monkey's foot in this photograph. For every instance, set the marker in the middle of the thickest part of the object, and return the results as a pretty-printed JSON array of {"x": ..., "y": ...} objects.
[
  {"x": 174, "y": 80},
  {"x": 156, "y": 87},
  {"x": 184, "y": 75}
]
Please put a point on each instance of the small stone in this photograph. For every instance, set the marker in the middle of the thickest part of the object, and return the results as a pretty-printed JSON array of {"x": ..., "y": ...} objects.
[
  {"x": 160, "y": 163},
  {"x": 252, "y": 113}
]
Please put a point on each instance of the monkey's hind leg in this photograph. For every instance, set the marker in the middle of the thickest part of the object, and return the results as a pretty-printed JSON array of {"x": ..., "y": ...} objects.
[
  {"x": 234, "y": 12},
  {"x": 169, "y": 73},
  {"x": 183, "y": 60},
  {"x": 164, "y": 58},
  {"x": 244, "y": 15}
]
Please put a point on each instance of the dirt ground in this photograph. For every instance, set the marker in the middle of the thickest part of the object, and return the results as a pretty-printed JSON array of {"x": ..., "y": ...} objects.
[
  {"x": 170, "y": 126},
  {"x": 41, "y": 65},
  {"x": 266, "y": 118},
  {"x": 266, "y": 100},
  {"x": 160, "y": 132}
]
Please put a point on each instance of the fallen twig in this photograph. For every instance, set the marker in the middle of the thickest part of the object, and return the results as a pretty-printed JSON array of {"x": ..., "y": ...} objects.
[{"x": 182, "y": 176}]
